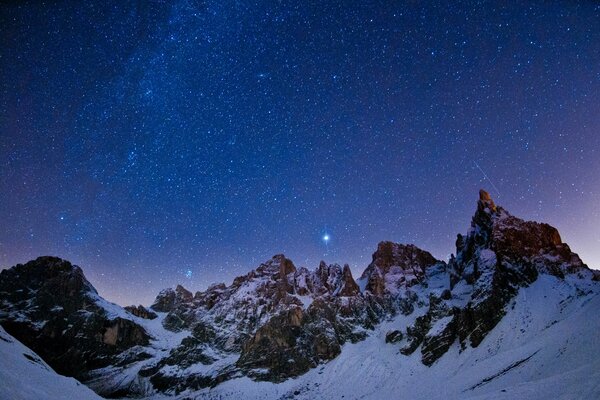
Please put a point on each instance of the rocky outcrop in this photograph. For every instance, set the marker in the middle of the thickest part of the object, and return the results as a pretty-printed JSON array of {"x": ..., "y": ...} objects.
[
  {"x": 328, "y": 280},
  {"x": 394, "y": 336},
  {"x": 141, "y": 311},
  {"x": 124, "y": 333}
]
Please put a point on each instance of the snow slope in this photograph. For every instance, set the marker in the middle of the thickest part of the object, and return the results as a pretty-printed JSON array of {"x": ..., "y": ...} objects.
[
  {"x": 547, "y": 346},
  {"x": 24, "y": 376}
]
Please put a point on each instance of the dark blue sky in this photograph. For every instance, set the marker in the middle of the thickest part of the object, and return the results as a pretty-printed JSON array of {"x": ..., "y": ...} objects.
[{"x": 165, "y": 142}]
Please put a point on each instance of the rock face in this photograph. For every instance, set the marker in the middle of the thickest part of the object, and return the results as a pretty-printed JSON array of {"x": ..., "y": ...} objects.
[
  {"x": 48, "y": 305},
  {"x": 279, "y": 321}
]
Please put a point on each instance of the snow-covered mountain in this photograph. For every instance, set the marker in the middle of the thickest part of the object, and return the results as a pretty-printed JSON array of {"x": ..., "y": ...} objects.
[{"x": 513, "y": 314}]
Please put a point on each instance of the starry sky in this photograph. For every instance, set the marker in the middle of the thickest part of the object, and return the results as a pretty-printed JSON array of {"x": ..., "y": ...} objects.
[{"x": 164, "y": 142}]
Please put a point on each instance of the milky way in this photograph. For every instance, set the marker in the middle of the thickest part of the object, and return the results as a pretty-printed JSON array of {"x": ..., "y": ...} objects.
[{"x": 186, "y": 142}]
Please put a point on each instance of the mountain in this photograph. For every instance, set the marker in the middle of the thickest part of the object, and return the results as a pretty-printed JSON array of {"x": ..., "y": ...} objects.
[{"x": 512, "y": 314}]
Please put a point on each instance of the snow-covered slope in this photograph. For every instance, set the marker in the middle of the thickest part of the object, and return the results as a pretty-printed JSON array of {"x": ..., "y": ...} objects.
[
  {"x": 546, "y": 347},
  {"x": 24, "y": 376}
]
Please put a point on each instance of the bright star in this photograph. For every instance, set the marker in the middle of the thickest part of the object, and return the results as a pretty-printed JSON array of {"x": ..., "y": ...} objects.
[
  {"x": 326, "y": 238},
  {"x": 188, "y": 273}
]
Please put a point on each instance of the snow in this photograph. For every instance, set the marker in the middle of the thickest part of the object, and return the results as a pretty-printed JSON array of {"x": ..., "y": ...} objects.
[
  {"x": 24, "y": 376},
  {"x": 163, "y": 340}
]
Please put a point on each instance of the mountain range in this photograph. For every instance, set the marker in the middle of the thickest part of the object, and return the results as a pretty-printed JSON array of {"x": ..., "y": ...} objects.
[{"x": 513, "y": 314}]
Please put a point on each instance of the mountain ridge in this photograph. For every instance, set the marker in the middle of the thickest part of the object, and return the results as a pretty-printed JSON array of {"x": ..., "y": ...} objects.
[{"x": 278, "y": 322}]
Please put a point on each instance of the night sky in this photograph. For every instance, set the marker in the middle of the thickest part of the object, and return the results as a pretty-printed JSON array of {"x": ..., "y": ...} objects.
[{"x": 158, "y": 142}]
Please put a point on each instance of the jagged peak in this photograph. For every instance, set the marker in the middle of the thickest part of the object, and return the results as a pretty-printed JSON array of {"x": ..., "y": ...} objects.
[
  {"x": 325, "y": 268},
  {"x": 54, "y": 264}
]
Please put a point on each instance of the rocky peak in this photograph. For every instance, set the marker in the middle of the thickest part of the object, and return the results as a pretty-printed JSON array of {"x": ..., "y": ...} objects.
[
  {"x": 395, "y": 265},
  {"x": 500, "y": 254},
  {"x": 486, "y": 212},
  {"x": 497, "y": 237},
  {"x": 46, "y": 279},
  {"x": 140, "y": 311},
  {"x": 328, "y": 276},
  {"x": 407, "y": 257}
]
